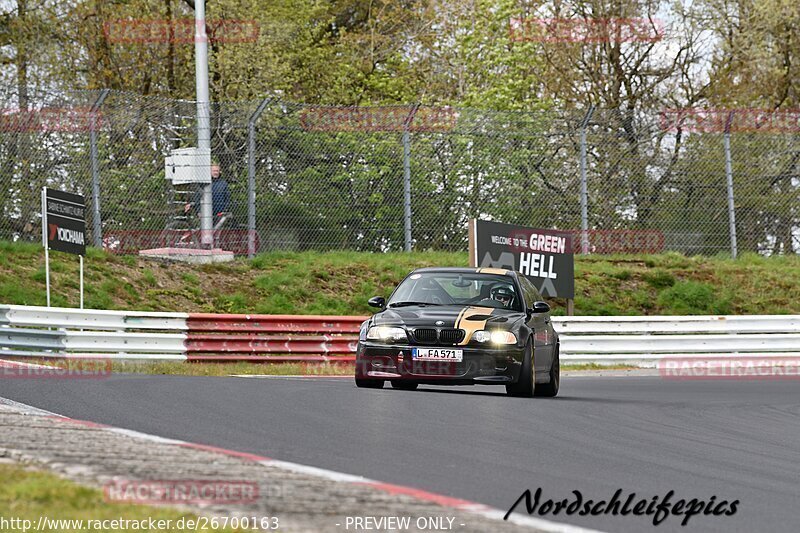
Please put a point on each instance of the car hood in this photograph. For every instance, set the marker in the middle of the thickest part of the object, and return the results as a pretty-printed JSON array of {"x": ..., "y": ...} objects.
[{"x": 447, "y": 316}]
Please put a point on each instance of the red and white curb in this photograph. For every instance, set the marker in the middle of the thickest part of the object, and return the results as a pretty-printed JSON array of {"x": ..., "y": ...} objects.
[{"x": 478, "y": 509}]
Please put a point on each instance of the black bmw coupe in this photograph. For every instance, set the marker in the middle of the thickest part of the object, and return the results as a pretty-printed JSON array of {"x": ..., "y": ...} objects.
[{"x": 461, "y": 326}]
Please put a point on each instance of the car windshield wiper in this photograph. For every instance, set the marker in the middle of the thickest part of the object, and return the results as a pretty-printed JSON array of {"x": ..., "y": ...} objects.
[{"x": 406, "y": 304}]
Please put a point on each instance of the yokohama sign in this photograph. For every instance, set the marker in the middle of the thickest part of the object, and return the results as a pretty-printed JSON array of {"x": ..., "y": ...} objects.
[{"x": 66, "y": 222}]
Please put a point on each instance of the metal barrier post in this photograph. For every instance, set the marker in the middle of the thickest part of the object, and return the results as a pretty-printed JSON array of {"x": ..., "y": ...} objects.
[
  {"x": 585, "y": 185},
  {"x": 407, "y": 178},
  {"x": 203, "y": 117},
  {"x": 407, "y": 189},
  {"x": 729, "y": 178}
]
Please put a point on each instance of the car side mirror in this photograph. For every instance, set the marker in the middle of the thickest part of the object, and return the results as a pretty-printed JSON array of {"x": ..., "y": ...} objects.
[
  {"x": 539, "y": 307},
  {"x": 377, "y": 301}
]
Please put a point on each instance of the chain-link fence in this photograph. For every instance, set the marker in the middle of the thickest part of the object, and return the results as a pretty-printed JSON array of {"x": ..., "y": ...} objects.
[{"x": 304, "y": 177}]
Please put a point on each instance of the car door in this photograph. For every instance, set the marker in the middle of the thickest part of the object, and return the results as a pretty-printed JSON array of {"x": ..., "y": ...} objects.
[{"x": 540, "y": 323}]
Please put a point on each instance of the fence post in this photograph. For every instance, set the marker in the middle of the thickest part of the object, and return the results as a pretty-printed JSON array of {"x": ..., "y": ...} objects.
[
  {"x": 251, "y": 177},
  {"x": 407, "y": 177},
  {"x": 97, "y": 227},
  {"x": 729, "y": 178},
  {"x": 584, "y": 184},
  {"x": 203, "y": 120}
]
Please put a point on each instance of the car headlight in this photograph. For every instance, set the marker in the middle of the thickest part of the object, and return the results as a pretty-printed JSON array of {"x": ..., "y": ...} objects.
[
  {"x": 386, "y": 334},
  {"x": 495, "y": 337}
]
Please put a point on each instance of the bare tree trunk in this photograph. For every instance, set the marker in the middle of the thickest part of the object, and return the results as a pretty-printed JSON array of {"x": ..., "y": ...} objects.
[{"x": 22, "y": 151}]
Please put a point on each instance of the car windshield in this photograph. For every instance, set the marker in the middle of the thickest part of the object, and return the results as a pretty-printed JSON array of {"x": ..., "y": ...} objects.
[{"x": 453, "y": 288}]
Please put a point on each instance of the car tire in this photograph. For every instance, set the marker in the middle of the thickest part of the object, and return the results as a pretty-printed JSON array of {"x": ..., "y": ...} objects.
[
  {"x": 405, "y": 385},
  {"x": 550, "y": 390},
  {"x": 525, "y": 387},
  {"x": 362, "y": 383}
]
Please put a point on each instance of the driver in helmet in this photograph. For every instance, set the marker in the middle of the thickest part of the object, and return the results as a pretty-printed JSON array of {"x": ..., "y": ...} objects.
[{"x": 503, "y": 294}]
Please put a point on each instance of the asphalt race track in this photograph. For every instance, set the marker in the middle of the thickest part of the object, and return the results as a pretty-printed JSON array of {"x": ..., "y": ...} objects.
[{"x": 738, "y": 440}]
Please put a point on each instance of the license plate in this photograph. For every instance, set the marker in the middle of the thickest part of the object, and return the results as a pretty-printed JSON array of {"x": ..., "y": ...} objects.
[{"x": 437, "y": 354}]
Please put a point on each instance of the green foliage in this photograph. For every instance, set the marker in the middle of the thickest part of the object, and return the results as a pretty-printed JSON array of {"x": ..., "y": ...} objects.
[
  {"x": 190, "y": 278},
  {"x": 148, "y": 277},
  {"x": 16, "y": 293},
  {"x": 659, "y": 278},
  {"x": 343, "y": 190},
  {"x": 342, "y": 282},
  {"x": 233, "y": 303},
  {"x": 314, "y": 283},
  {"x": 40, "y": 275},
  {"x": 28, "y": 494},
  {"x": 623, "y": 274},
  {"x": 694, "y": 298}
]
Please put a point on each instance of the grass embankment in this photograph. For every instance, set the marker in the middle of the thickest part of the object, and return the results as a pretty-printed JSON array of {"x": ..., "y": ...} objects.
[
  {"x": 341, "y": 282},
  {"x": 28, "y": 495}
]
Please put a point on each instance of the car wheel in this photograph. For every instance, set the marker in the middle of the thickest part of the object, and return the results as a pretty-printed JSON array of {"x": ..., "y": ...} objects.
[
  {"x": 550, "y": 390},
  {"x": 526, "y": 385},
  {"x": 369, "y": 383},
  {"x": 405, "y": 385}
]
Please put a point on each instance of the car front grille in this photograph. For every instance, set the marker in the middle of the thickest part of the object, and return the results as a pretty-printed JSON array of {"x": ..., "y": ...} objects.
[
  {"x": 425, "y": 335},
  {"x": 444, "y": 336},
  {"x": 451, "y": 336}
]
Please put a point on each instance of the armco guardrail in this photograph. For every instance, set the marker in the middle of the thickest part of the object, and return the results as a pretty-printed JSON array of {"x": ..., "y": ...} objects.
[
  {"x": 74, "y": 333},
  {"x": 643, "y": 340},
  {"x": 257, "y": 338},
  {"x": 274, "y": 323}
]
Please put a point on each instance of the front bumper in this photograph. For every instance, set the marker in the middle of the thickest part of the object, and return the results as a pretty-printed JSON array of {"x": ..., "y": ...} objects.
[{"x": 484, "y": 365}]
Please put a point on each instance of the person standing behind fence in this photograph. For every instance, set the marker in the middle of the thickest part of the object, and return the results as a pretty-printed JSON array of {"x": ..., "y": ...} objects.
[{"x": 220, "y": 195}]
